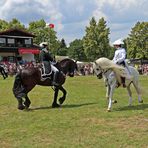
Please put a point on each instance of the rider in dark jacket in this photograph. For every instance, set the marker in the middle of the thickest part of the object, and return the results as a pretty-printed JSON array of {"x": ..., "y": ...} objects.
[{"x": 46, "y": 58}]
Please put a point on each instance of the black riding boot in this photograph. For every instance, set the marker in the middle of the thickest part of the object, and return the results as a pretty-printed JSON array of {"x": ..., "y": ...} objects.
[
  {"x": 123, "y": 81},
  {"x": 55, "y": 77}
]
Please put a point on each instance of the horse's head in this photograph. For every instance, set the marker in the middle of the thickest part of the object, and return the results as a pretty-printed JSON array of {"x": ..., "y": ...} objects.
[
  {"x": 97, "y": 70},
  {"x": 68, "y": 67}
]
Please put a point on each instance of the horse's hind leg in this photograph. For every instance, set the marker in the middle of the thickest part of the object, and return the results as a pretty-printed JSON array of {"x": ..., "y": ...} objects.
[
  {"x": 130, "y": 95},
  {"x": 20, "y": 103},
  {"x": 136, "y": 85},
  {"x": 55, "y": 104},
  {"x": 62, "y": 99},
  {"x": 27, "y": 102}
]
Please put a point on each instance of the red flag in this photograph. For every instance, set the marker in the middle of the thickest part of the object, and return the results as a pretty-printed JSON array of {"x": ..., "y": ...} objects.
[{"x": 51, "y": 25}]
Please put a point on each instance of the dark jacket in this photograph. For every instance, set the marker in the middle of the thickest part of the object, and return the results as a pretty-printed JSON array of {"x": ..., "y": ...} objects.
[{"x": 45, "y": 56}]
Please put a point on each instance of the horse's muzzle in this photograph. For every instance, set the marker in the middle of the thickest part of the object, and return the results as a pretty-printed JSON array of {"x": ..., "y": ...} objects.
[
  {"x": 99, "y": 76},
  {"x": 71, "y": 74}
]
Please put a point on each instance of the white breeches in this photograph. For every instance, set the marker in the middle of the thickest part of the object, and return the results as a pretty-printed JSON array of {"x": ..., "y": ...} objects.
[{"x": 54, "y": 69}]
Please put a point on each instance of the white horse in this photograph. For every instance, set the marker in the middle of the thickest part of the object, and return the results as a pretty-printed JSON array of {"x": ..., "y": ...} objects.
[{"x": 112, "y": 74}]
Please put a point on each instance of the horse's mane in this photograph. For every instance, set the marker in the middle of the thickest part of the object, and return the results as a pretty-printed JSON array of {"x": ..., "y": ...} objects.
[
  {"x": 66, "y": 59},
  {"x": 106, "y": 64}
]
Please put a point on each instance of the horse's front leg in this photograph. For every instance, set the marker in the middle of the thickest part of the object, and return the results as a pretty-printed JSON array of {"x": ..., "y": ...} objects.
[
  {"x": 112, "y": 87},
  {"x": 27, "y": 102},
  {"x": 55, "y": 104},
  {"x": 107, "y": 91},
  {"x": 130, "y": 95},
  {"x": 62, "y": 99}
]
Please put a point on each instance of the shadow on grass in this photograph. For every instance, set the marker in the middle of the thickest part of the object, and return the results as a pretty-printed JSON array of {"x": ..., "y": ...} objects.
[
  {"x": 62, "y": 106},
  {"x": 136, "y": 107}
]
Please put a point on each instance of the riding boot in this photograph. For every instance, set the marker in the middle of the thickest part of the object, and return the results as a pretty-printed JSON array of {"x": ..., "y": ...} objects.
[
  {"x": 55, "y": 77},
  {"x": 123, "y": 81}
]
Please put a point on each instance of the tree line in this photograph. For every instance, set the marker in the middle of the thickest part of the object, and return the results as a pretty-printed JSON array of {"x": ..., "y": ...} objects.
[{"x": 94, "y": 44}]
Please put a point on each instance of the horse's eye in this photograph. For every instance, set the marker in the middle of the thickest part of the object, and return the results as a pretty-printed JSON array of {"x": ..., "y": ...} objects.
[{"x": 97, "y": 69}]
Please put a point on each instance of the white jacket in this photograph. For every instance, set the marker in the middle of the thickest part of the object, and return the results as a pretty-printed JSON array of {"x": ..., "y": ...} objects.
[{"x": 119, "y": 56}]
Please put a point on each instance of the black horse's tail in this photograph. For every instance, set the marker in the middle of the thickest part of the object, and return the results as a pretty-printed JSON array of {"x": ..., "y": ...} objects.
[{"x": 18, "y": 88}]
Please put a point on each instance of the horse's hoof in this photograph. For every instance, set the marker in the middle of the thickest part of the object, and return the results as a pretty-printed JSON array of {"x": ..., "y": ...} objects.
[
  {"x": 27, "y": 104},
  {"x": 55, "y": 105},
  {"x": 108, "y": 110},
  {"x": 61, "y": 100},
  {"x": 114, "y": 101},
  {"x": 21, "y": 107}
]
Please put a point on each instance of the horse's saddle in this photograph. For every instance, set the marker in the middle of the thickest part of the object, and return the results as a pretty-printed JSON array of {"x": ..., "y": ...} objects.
[{"x": 46, "y": 70}]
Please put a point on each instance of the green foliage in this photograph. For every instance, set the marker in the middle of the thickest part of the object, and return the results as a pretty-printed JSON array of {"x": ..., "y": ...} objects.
[
  {"x": 137, "y": 42},
  {"x": 14, "y": 23},
  {"x": 3, "y": 25},
  {"x": 62, "y": 50},
  {"x": 96, "y": 41},
  {"x": 44, "y": 33},
  {"x": 76, "y": 50}
]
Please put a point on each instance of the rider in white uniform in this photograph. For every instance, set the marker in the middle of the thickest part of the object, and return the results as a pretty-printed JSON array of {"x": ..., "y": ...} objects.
[{"x": 119, "y": 56}]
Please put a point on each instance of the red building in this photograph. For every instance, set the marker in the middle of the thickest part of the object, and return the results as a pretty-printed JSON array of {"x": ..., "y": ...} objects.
[{"x": 16, "y": 44}]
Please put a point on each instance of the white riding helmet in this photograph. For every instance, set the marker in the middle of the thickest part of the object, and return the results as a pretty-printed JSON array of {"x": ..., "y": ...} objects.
[
  {"x": 118, "y": 42},
  {"x": 43, "y": 44}
]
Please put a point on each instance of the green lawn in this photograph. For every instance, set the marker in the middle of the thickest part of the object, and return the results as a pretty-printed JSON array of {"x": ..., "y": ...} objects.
[{"x": 82, "y": 121}]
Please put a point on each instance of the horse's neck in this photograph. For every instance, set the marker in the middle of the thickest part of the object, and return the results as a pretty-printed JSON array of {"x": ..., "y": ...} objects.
[
  {"x": 107, "y": 73},
  {"x": 63, "y": 67}
]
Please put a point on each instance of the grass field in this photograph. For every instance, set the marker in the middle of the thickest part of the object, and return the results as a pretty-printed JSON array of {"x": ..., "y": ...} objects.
[{"x": 82, "y": 121}]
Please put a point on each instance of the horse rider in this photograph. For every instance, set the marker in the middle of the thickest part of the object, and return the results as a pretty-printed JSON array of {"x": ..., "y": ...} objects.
[
  {"x": 46, "y": 58},
  {"x": 120, "y": 56}
]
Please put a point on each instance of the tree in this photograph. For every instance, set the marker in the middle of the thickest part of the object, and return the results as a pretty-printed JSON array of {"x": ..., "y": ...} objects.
[
  {"x": 62, "y": 50},
  {"x": 96, "y": 41},
  {"x": 44, "y": 33},
  {"x": 14, "y": 23},
  {"x": 76, "y": 50},
  {"x": 3, "y": 25},
  {"x": 137, "y": 42}
]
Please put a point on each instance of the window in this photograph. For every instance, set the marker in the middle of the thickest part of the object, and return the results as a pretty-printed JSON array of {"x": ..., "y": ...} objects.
[
  {"x": 28, "y": 41},
  {"x": 2, "y": 41},
  {"x": 10, "y": 42},
  {"x": 19, "y": 42}
]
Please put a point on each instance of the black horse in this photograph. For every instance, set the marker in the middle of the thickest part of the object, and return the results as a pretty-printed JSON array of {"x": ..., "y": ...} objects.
[
  {"x": 3, "y": 72},
  {"x": 28, "y": 78}
]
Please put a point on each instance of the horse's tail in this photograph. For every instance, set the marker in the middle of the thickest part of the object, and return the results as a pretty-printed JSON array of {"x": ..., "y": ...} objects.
[{"x": 18, "y": 89}]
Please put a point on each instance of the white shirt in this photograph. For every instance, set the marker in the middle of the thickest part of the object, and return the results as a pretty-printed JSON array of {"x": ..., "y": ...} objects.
[{"x": 120, "y": 55}]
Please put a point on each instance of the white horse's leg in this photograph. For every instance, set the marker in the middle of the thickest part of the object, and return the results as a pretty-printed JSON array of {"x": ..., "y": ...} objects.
[
  {"x": 112, "y": 87},
  {"x": 107, "y": 92},
  {"x": 130, "y": 95},
  {"x": 136, "y": 85}
]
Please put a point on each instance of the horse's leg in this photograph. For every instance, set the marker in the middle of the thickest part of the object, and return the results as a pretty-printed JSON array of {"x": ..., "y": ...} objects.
[
  {"x": 136, "y": 85},
  {"x": 130, "y": 95},
  {"x": 112, "y": 87},
  {"x": 62, "y": 99},
  {"x": 54, "y": 104},
  {"x": 107, "y": 92},
  {"x": 3, "y": 74},
  {"x": 20, "y": 103},
  {"x": 27, "y": 102}
]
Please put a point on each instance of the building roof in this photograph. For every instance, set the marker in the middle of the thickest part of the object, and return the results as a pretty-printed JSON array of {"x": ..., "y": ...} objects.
[{"x": 16, "y": 32}]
